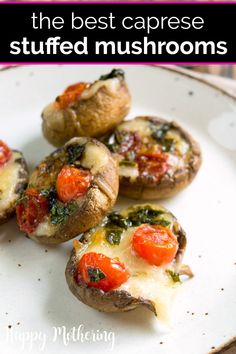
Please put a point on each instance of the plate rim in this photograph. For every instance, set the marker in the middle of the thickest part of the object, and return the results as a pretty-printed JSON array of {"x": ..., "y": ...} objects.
[{"x": 174, "y": 69}]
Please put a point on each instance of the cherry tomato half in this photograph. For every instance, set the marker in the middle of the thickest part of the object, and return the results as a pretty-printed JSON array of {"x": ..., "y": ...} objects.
[
  {"x": 72, "y": 183},
  {"x": 71, "y": 94},
  {"x": 31, "y": 211},
  {"x": 99, "y": 271},
  {"x": 154, "y": 243},
  {"x": 153, "y": 164},
  {"x": 5, "y": 153}
]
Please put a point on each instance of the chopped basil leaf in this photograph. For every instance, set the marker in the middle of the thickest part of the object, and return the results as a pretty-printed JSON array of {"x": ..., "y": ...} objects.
[
  {"x": 51, "y": 195},
  {"x": 159, "y": 134},
  {"x": 113, "y": 236},
  {"x": 128, "y": 163},
  {"x": 174, "y": 276},
  {"x": 111, "y": 142},
  {"x": 45, "y": 192},
  {"x": 74, "y": 152},
  {"x": 60, "y": 211},
  {"x": 114, "y": 73},
  {"x": 161, "y": 222},
  {"x": 144, "y": 216},
  {"x": 22, "y": 199},
  {"x": 95, "y": 274},
  {"x": 118, "y": 138},
  {"x": 115, "y": 223},
  {"x": 168, "y": 145},
  {"x": 116, "y": 220}
]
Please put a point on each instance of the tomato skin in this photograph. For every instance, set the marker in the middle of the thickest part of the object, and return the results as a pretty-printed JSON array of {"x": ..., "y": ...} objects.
[
  {"x": 113, "y": 270},
  {"x": 72, "y": 183},
  {"x": 31, "y": 211},
  {"x": 71, "y": 94},
  {"x": 130, "y": 142},
  {"x": 154, "y": 243},
  {"x": 153, "y": 164},
  {"x": 5, "y": 153}
]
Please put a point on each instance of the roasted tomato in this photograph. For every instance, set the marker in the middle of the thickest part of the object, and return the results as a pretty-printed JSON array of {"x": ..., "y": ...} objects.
[
  {"x": 153, "y": 164},
  {"x": 156, "y": 244},
  {"x": 71, "y": 94},
  {"x": 129, "y": 142},
  {"x": 5, "y": 153},
  {"x": 72, "y": 183},
  {"x": 31, "y": 211},
  {"x": 99, "y": 271}
]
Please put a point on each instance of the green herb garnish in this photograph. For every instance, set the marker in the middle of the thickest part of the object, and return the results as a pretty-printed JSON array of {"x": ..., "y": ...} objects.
[
  {"x": 113, "y": 236},
  {"x": 117, "y": 220},
  {"x": 159, "y": 134},
  {"x": 161, "y": 222},
  {"x": 168, "y": 145},
  {"x": 45, "y": 192},
  {"x": 116, "y": 139},
  {"x": 113, "y": 141},
  {"x": 114, "y": 73},
  {"x": 74, "y": 152},
  {"x": 128, "y": 163},
  {"x": 59, "y": 211},
  {"x": 174, "y": 276},
  {"x": 115, "y": 224},
  {"x": 95, "y": 274},
  {"x": 144, "y": 216},
  {"x": 50, "y": 194}
]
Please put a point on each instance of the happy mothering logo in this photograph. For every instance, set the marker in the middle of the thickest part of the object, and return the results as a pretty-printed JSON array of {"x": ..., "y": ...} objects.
[{"x": 29, "y": 340}]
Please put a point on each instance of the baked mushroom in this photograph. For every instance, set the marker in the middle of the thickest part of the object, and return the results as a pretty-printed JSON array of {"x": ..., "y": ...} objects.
[
  {"x": 157, "y": 158},
  {"x": 13, "y": 180},
  {"x": 132, "y": 259},
  {"x": 87, "y": 109},
  {"x": 69, "y": 192}
]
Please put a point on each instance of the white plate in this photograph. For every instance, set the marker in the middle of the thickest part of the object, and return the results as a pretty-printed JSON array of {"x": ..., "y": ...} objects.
[{"x": 34, "y": 295}]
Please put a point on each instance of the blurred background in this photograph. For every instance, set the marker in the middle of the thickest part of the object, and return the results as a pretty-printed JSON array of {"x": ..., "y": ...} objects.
[{"x": 222, "y": 70}]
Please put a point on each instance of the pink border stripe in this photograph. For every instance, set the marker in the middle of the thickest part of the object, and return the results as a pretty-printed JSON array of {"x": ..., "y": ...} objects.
[
  {"x": 119, "y": 2},
  {"x": 120, "y": 63}
]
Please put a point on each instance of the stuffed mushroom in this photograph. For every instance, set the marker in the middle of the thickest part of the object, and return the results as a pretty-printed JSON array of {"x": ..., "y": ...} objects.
[
  {"x": 157, "y": 158},
  {"x": 87, "y": 109},
  {"x": 69, "y": 192},
  {"x": 132, "y": 259},
  {"x": 13, "y": 180}
]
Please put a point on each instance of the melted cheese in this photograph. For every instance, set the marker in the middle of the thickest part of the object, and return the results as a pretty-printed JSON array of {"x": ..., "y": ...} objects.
[
  {"x": 9, "y": 177},
  {"x": 180, "y": 144},
  {"x": 45, "y": 228},
  {"x": 128, "y": 171},
  {"x": 176, "y": 160},
  {"x": 139, "y": 125},
  {"x": 175, "y": 163},
  {"x": 111, "y": 84},
  {"x": 146, "y": 281},
  {"x": 94, "y": 157}
]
